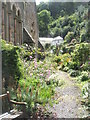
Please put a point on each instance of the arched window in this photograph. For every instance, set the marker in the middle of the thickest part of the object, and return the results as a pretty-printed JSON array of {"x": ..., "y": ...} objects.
[
  {"x": 19, "y": 27},
  {"x": 3, "y": 30},
  {"x": 8, "y": 21},
  {"x": 14, "y": 9},
  {"x": 15, "y": 24},
  {"x": 19, "y": 13},
  {"x": 3, "y": 21}
]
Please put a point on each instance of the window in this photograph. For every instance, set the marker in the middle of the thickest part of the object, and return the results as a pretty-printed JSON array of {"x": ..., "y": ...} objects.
[{"x": 3, "y": 27}]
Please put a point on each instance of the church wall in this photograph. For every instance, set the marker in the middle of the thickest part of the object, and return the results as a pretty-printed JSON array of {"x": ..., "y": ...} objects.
[{"x": 16, "y": 16}]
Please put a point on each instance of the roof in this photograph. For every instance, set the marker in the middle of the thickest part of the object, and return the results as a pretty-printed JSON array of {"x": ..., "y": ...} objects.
[
  {"x": 58, "y": 38},
  {"x": 45, "y": 39},
  {"x": 27, "y": 37}
]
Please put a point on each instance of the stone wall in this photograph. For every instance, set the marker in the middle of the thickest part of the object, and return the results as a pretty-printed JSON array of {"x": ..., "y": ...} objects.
[
  {"x": 30, "y": 20},
  {"x": 15, "y": 17}
]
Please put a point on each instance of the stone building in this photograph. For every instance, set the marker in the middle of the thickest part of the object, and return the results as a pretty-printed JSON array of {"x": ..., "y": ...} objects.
[{"x": 19, "y": 22}]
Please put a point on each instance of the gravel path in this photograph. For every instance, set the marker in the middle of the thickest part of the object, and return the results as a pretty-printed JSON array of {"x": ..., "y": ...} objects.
[{"x": 68, "y": 97}]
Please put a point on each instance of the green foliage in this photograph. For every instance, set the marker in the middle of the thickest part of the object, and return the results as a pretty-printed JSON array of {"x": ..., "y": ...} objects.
[
  {"x": 61, "y": 8},
  {"x": 62, "y": 60},
  {"x": 66, "y": 69},
  {"x": 34, "y": 89},
  {"x": 12, "y": 67},
  {"x": 57, "y": 59},
  {"x": 47, "y": 46},
  {"x": 44, "y": 18},
  {"x": 85, "y": 66},
  {"x": 55, "y": 32},
  {"x": 67, "y": 17},
  {"x": 82, "y": 37},
  {"x": 69, "y": 37},
  {"x": 76, "y": 62},
  {"x": 85, "y": 91},
  {"x": 65, "y": 30},
  {"x": 84, "y": 76},
  {"x": 73, "y": 65},
  {"x": 65, "y": 22},
  {"x": 65, "y": 59},
  {"x": 81, "y": 54},
  {"x": 60, "y": 27},
  {"x": 26, "y": 77},
  {"x": 42, "y": 6},
  {"x": 27, "y": 91},
  {"x": 73, "y": 73}
]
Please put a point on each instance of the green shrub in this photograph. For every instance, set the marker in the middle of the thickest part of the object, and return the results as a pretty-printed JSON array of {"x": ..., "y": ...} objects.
[
  {"x": 81, "y": 54},
  {"x": 85, "y": 91},
  {"x": 84, "y": 76},
  {"x": 33, "y": 92},
  {"x": 69, "y": 37},
  {"x": 65, "y": 69},
  {"x": 82, "y": 38},
  {"x": 65, "y": 31},
  {"x": 12, "y": 67},
  {"x": 63, "y": 60},
  {"x": 56, "y": 31},
  {"x": 73, "y": 73},
  {"x": 73, "y": 65},
  {"x": 57, "y": 59},
  {"x": 64, "y": 49},
  {"x": 85, "y": 66}
]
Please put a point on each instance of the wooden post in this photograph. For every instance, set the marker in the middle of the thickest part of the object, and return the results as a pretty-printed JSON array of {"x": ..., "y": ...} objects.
[{"x": 8, "y": 96}]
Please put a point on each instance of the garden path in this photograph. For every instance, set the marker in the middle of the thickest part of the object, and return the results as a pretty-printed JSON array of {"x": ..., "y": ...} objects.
[{"x": 68, "y": 99}]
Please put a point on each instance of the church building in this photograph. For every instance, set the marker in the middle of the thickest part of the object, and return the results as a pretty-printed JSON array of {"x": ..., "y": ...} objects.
[{"x": 19, "y": 22}]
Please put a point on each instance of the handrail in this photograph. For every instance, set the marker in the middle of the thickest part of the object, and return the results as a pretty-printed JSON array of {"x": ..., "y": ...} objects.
[
  {"x": 18, "y": 103},
  {"x": 2, "y": 96}
]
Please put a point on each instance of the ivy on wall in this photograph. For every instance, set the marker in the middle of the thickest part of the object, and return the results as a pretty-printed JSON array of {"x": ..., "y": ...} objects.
[{"x": 12, "y": 68}]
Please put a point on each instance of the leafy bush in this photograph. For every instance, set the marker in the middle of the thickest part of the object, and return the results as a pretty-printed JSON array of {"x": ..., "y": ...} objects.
[
  {"x": 84, "y": 76},
  {"x": 33, "y": 92},
  {"x": 33, "y": 87},
  {"x": 82, "y": 37},
  {"x": 70, "y": 48},
  {"x": 81, "y": 54},
  {"x": 65, "y": 22},
  {"x": 65, "y": 30},
  {"x": 19, "y": 66},
  {"x": 73, "y": 73},
  {"x": 73, "y": 65},
  {"x": 55, "y": 31},
  {"x": 57, "y": 59},
  {"x": 65, "y": 69},
  {"x": 69, "y": 37},
  {"x": 63, "y": 60},
  {"x": 85, "y": 91},
  {"x": 44, "y": 19},
  {"x": 12, "y": 67},
  {"x": 85, "y": 66}
]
